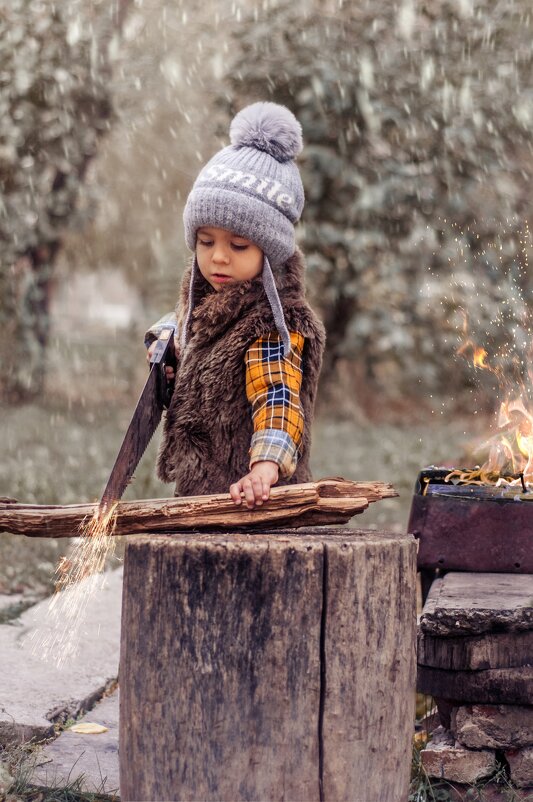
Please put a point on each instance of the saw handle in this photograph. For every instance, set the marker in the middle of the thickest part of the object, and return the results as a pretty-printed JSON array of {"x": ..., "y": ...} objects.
[{"x": 163, "y": 356}]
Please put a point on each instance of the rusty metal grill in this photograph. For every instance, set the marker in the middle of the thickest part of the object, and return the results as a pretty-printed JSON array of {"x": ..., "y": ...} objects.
[{"x": 471, "y": 528}]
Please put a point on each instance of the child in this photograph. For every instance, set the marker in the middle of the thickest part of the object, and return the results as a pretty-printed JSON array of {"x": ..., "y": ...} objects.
[{"x": 249, "y": 347}]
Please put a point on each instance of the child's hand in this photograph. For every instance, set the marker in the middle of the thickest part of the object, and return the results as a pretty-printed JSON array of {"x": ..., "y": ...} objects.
[
  {"x": 256, "y": 484},
  {"x": 169, "y": 369}
]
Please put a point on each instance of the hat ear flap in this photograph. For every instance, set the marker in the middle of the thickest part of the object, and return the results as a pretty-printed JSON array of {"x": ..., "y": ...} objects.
[
  {"x": 275, "y": 304},
  {"x": 195, "y": 273}
]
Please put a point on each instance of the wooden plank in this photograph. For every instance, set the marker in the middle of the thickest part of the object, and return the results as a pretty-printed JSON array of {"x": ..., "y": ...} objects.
[
  {"x": 494, "y": 686},
  {"x": 269, "y": 666},
  {"x": 369, "y": 668},
  {"x": 472, "y": 604},
  {"x": 500, "y": 650}
]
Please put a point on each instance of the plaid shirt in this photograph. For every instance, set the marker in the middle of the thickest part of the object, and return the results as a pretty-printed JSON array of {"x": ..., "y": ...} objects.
[{"x": 273, "y": 389}]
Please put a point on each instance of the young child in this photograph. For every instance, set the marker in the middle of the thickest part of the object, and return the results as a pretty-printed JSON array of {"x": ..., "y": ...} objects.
[{"x": 248, "y": 345}]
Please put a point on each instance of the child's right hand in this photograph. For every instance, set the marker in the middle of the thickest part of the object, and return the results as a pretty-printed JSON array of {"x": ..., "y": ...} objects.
[
  {"x": 169, "y": 369},
  {"x": 255, "y": 486}
]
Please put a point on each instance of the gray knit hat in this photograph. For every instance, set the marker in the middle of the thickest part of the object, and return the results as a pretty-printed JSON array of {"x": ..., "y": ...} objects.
[{"x": 253, "y": 188}]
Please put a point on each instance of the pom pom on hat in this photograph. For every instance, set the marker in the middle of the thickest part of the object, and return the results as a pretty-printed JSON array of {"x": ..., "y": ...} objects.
[{"x": 268, "y": 127}]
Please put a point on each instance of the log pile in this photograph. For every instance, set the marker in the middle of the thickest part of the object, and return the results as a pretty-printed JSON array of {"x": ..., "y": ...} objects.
[
  {"x": 475, "y": 657},
  {"x": 328, "y": 501}
]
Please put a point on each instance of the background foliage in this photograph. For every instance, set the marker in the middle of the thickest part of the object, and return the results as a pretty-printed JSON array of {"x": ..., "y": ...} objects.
[{"x": 417, "y": 121}]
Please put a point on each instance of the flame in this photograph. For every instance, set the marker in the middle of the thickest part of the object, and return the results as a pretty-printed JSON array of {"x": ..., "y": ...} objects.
[
  {"x": 480, "y": 356},
  {"x": 510, "y": 450}
]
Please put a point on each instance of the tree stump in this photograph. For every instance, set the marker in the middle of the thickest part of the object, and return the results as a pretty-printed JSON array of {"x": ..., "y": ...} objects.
[{"x": 268, "y": 666}]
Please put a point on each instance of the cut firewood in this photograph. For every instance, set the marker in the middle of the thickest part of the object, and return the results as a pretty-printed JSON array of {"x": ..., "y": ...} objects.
[
  {"x": 337, "y": 487},
  {"x": 329, "y": 501}
]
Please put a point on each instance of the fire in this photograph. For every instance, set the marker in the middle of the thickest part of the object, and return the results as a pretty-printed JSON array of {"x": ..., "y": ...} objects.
[
  {"x": 480, "y": 356},
  {"x": 510, "y": 450},
  {"x": 505, "y": 314}
]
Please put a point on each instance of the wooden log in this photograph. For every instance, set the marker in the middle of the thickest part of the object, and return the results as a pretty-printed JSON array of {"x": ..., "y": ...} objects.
[
  {"x": 473, "y": 604},
  {"x": 270, "y": 667},
  {"x": 492, "y": 650},
  {"x": 498, "y": 686},
  {"x": 332, "y": 501}
]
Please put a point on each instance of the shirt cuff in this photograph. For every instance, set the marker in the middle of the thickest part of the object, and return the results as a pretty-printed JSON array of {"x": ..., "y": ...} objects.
[{"x": 276, "y": 446}]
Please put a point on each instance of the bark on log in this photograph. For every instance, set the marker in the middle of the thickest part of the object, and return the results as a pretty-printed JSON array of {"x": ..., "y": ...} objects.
[
  {"x": 329, "y": 501},
  {"x": 268, "y": 667}
]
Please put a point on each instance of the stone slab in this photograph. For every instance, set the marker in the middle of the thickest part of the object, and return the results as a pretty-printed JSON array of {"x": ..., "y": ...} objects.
[
  {"x": 35, "y": 692},
  {"x": 92, "y": 758},
  {"x": 493, "y": 726},
  {"x": 472, "y": 604},
  {"x": 445, "y": 759}
]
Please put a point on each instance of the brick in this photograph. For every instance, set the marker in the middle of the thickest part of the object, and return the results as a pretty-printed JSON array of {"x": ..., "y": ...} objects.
[
  {"x": 446, "y": 759},
  {"x": 493, "y": 726},
  {"x": 521, "y": 766}
]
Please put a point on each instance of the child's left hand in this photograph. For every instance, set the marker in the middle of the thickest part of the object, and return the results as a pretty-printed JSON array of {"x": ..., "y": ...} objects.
[{"x": 256, "y": 484}]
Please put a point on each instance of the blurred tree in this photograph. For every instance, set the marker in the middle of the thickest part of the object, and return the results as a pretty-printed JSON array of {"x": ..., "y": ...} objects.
[
  {"x": 166, "y": 80},
  {"x": 55, "y": 102},
  {"x": 417, "y": 121}
]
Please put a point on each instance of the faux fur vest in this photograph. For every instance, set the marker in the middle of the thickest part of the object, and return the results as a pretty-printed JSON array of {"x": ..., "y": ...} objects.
[{"x": 208, "y": 425}]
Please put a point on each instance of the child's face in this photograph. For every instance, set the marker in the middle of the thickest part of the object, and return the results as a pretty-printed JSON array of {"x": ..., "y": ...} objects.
[{"x": 225, "y": 258}]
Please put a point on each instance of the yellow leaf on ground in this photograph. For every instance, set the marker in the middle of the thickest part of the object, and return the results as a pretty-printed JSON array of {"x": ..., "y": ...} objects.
[
  {"x": 88, "y": 728},
  {"x": 420, "y": 739}
]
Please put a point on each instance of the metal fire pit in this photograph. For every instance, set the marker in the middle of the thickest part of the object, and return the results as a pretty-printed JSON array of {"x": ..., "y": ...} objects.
[{"x": 470, "y": 528}]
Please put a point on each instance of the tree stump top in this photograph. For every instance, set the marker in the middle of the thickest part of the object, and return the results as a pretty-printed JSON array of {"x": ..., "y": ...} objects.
[{"x": 301, "y": 536}]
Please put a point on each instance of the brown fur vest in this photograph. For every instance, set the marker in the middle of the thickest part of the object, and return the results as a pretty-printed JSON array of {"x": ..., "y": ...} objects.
[{"x": 208, "y": 426}]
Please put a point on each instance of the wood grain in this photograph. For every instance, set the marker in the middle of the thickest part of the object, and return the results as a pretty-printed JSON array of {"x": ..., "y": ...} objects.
[
  {"x": 495, "y": 686},
  {"x": 220, "y": 669},
  {"x": 491, "y": 650},
  {"x": 268, "y": 666},
  {"x": 329, "y": 501},
  {"x": 370, "y": 666}
]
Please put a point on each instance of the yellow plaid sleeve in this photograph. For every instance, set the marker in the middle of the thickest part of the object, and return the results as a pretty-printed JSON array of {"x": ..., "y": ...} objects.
[{"x": 273, "y": 383}]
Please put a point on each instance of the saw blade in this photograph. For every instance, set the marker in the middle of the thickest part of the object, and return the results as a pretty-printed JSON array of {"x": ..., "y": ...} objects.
[{"x": 143, "y": 424}]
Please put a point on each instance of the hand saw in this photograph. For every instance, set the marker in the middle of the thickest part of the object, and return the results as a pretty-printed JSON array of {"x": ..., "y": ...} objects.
[{"x": 155, "y": 396}]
